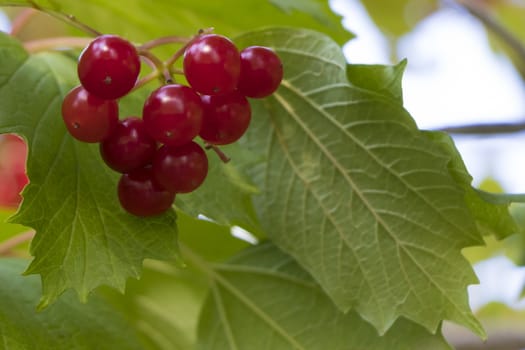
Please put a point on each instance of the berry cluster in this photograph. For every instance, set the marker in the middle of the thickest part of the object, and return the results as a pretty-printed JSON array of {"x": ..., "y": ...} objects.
[{"x": 157, "y": 154}]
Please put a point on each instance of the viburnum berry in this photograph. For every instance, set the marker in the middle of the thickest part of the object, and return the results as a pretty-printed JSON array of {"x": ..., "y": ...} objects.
[
  {"x": 180, "y": 169},
  {"x": 129, "y": 146},
  {"x": 109, "y": 66},
  {"x": 140, "y": 195},
  {"x": 89, "y": 118},
  {"x": 226, "y": 118},
  {"x": 261, "y": 72},
  {"x": 173, "y": 114},
  {"x": 212, "y": 65}
]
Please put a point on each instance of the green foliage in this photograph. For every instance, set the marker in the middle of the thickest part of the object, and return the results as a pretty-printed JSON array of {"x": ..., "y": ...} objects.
[
  {"x": 366, "y": 214},
  {"x": 387, "y": 242},
  {"x": 68, "y": 325},
  {"x": 84, "y": 239},
  {"x": 145, "y": 20},
  {"x": 252, "y": 290}
]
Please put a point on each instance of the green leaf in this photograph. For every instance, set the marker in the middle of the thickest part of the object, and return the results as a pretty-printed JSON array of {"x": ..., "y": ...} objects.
[
  {"x": 226, "y": 195},
  {"x": 356, "y": 194},
  {"x": 164, "y": 305},
  {"x": 396, "y": 17},
  {"x": 385, "y": 80},
  {"x": 84, "y": 238},
  {"x": 141, "y": 20},
  {"x": 248, "y": 296},
  {"x": 69, "y": 325},
  {"x": 492, "y": 217}
]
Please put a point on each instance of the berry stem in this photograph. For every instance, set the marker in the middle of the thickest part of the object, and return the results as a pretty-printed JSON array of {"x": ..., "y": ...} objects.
[
  {"x": 180, "y": 52},
  {"x": 163, "y": 41},
  {"x": 148, "y": 78},
  {"x": 55, "y": 43},
  {"x": 223, "y": 157},
  {"x": 70, "y": 19},
  {"x": 21, "y": 20},
  {"x": 157, "y": 64}
]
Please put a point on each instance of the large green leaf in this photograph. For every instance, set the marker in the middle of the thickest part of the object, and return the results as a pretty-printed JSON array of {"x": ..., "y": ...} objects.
[
  {"x": 69, "y": 325},
  {"x": 245, "y": 307},
  {"x": 84, "y": 239},
  {"x": 142, "y": 20},
  {"x": 362, "y": 199}
]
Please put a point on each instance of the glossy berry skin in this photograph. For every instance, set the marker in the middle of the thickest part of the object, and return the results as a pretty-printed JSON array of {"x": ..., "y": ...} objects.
[
  {"x": 212, "y": 65},
  {"x": 173, "y": 114},
  {"x": 226, "y": 118},
  {"x": 89, "y": 118},
  {"x": 129, "y": 146},
  {"x": 180, "y": 169},
  {"x": 261, "y": 72},
  {"x": 140, "y": 195},
  {"x": 108, "y": 67}
]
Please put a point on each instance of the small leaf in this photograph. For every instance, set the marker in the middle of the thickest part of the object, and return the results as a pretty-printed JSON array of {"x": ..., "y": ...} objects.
[
  {"x": 385, "y": 80},
  {"x": 356, "y": 193},
  {"x": 248, "y": 296},
  {"x": 84, "y": 239},
  {"x": 67, "y": 326}
]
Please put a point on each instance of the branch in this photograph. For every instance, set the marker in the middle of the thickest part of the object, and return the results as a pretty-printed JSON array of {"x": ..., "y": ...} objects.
[
  {"x": 485, "y": 129},
  {"x": 6, "y": 247},
  {"x": 476, "y": 9}
]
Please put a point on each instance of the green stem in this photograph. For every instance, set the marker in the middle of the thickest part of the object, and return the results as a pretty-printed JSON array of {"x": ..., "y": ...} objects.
[
  {"x": 180, "y": 52},
  {"x": 163, "y": 41},
  {"x": 69, "y": 19},
  {"x": 502, "y": 198}
]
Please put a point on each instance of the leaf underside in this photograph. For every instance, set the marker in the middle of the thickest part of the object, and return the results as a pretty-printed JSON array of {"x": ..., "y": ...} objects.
[
  {"x": 356, "y": 193},
  {"x": 248, "y": 296}
]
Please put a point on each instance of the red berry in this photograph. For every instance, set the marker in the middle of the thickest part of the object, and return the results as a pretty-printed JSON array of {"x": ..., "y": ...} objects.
[
  {"x": 226, "y": 118},
  {"x": 180, "y": 169},
  {"x": 173, "y": 114},
  {"x": 13, "y": 178},
  {"x": 140, "y": 195},
  {"x": 87, "y": 117},
  {"x": 129, "y": 146},
  {"x": 261, "y": 72},
  {"x": 212, "y": 65},
  {"x": 109, "y": 66}
]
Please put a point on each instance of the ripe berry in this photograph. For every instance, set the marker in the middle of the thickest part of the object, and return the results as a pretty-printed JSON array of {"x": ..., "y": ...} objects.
[
  {"x": 212, "y": 65},
  {"x": 140, "y": 195},
  {"x": 261, "y": 72},
  {"x": 129, "y": 146},
  {"x": 180, "y": 169},
  {"x": 226, "y": 118},
  {"x": 89, "y": 118},
  {"x": 108, "y": 67},
  {"x": 173, "y": 114}
]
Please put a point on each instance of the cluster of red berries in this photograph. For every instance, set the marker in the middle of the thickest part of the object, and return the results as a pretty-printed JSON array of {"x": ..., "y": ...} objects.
[{"x": 156, "y": 154}]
